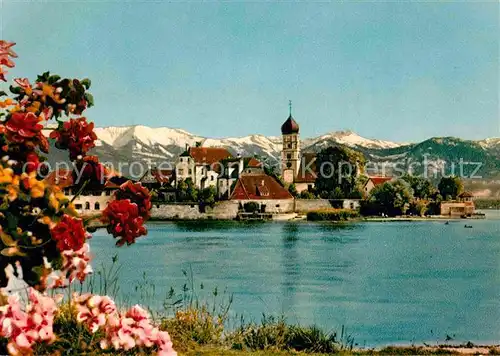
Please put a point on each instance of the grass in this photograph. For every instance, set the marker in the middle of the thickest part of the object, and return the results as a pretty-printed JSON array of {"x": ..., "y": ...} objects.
[
  {"x": 332, "y": 215},
  {"x": 197, "y": 320}
]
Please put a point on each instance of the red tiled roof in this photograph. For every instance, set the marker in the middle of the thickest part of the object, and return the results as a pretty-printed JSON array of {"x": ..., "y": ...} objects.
[
  {"x": 209, "y": 155},
  {"x": 379, "y": 180},
  {"x": 254, "y": 163},
  {"x": 162, "y": 175},
  {"x": 259, "y": 187},
  {"x": 466, "y": 195},
  {"x": 64, "y": 178},
  {"x": 307, "y": 170}
]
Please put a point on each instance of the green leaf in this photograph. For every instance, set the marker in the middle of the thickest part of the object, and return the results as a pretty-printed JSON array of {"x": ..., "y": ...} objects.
[
  {"x": 2, "y": 93},
  {"x": 15, "y": 90},
  {"x": 11, "y": 222},
  {"x": 54, "y": 78},
  {"x": 86, "y": 83},
  {"x": 90, "y": 99},
  {"x": 43, "y": 78}
]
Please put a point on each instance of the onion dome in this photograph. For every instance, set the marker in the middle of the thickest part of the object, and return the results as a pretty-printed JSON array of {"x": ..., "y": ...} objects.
[{"x": 290, "y": 126}]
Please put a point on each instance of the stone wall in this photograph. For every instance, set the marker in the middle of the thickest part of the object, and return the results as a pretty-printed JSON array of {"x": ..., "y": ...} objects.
[
  {"x": 229, "y": 209},
  {"x": 274, "y": 206},
  {"x": 306, "y": 205},
  {"x": 222, "y": 210}
]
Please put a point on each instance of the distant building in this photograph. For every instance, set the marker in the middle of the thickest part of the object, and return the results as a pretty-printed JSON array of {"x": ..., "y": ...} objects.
[
  {"x": 233, "y": 168},
  {"x": 463, "y": 206},
  {"x": 372, "y": 182},
  {"x": 87, "y": 202},
  {"x": 161, "y": 181},
  {"x": 296, "y": 168},
  {"x": 263, "y": 189},
  {"x": 305, "y": 179},
  {"x": 202, "y": 165}
]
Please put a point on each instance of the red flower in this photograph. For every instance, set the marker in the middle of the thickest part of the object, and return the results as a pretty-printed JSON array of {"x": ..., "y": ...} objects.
[
  {"x": 69, "y": 234},
  {"x": 32, "y": 162},
  {"x": 76, "y": 135},
  {"x": 89, "y": 170},
  {"x": 138, "y": 195},
  {"x": 122, "y": 217},
  {"x": 22, "y": 126}
]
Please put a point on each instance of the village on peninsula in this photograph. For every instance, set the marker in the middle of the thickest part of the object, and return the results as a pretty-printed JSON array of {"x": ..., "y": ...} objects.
[{"x": 211, "y": 183}]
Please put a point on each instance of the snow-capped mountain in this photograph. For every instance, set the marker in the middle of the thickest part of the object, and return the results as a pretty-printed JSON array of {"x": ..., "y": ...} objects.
[
  {"x": 350, "y": 139},
  {"x": 142, "y": 142},
  {"x": 152, "y": 146}
]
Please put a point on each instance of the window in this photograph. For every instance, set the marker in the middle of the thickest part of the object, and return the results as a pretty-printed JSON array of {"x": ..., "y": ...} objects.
[
  {"x": 289, "y": 156},
  {"x": 78, "y": 206},
  {"x": 190, "y": 171},
  {"x": 289, "y": 145},
  {"x": 87, "y": 206},
  {"x": 277, "y": 205},
  {"x": 211, "y": 177},
  {"x": 97, "y": 206},
  {"x": 108, "y": 192}
]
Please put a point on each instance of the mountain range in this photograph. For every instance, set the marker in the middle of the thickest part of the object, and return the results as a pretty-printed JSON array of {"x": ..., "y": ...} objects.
[{"x": 151, "y": 146}]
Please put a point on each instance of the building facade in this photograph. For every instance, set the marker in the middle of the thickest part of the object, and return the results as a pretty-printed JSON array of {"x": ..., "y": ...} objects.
[{"x": 202, "y": 165}]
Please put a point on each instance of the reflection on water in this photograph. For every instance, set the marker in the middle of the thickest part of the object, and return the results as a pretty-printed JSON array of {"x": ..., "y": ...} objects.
[
  {"x": 389, "y": 282},
  {"x": 291, "y": 265}
]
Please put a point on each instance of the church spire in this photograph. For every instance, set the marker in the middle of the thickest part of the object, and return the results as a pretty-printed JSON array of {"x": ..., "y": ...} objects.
[{"x": 290, "y": 126}]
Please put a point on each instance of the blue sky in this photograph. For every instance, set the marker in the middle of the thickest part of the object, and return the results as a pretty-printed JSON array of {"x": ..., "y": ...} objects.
[{"x": 396, "y": 71}]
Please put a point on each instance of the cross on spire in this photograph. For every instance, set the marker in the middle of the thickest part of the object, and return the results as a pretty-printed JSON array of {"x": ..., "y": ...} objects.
[{"x": 290, "y": 106}]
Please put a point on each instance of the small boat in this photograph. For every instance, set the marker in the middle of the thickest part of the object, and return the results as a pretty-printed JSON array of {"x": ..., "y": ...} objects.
[
  {"x": 468, "y": 226},
  {"x": 447, "y": 223}
]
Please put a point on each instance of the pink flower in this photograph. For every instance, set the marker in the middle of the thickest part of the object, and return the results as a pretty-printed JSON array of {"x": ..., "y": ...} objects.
[
  {"x": 76, "y": 263},
  {"x": 93, "y": 310},
  {"x": 134, "y": 328},
  {"x": 6, "y": 52},
  {"x": 25, "y": 328}
]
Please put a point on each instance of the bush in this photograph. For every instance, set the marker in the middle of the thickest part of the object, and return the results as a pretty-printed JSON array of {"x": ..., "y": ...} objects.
[
  {"x": 306, "y": 195},
  {"x": 332, "y": 215},
  {"x": 418, "y": 208}
]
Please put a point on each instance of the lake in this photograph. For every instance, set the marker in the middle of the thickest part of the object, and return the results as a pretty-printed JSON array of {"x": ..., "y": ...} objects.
[{"x": 387, "y": 282}]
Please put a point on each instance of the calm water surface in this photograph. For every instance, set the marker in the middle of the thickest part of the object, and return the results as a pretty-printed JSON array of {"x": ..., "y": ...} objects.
[{"x": 393, "y": 282}]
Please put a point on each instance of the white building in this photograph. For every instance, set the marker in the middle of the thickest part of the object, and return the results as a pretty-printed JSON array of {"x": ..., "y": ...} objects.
[
  {"x": 202, "y": 165},
  {"x": 88, "y": 202}
]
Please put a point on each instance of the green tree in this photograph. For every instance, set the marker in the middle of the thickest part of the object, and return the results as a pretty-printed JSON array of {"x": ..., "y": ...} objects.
[
  {"x": 338, "y": 168},
  {"x": 187, "y": 191},
  {"x": 450, "y": 187},
  {"x": 206, "y": 197},
  {"x": 418, "y": 207},
  {"x": 306, "y": 195},
  {"x": 292, "y": 189},
  {"x": 392, "y": 198},
  {"x": 422, "y": 188}
]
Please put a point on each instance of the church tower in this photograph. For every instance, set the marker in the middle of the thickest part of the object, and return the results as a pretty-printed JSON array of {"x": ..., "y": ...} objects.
[{"x": 290, "y": 155}]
